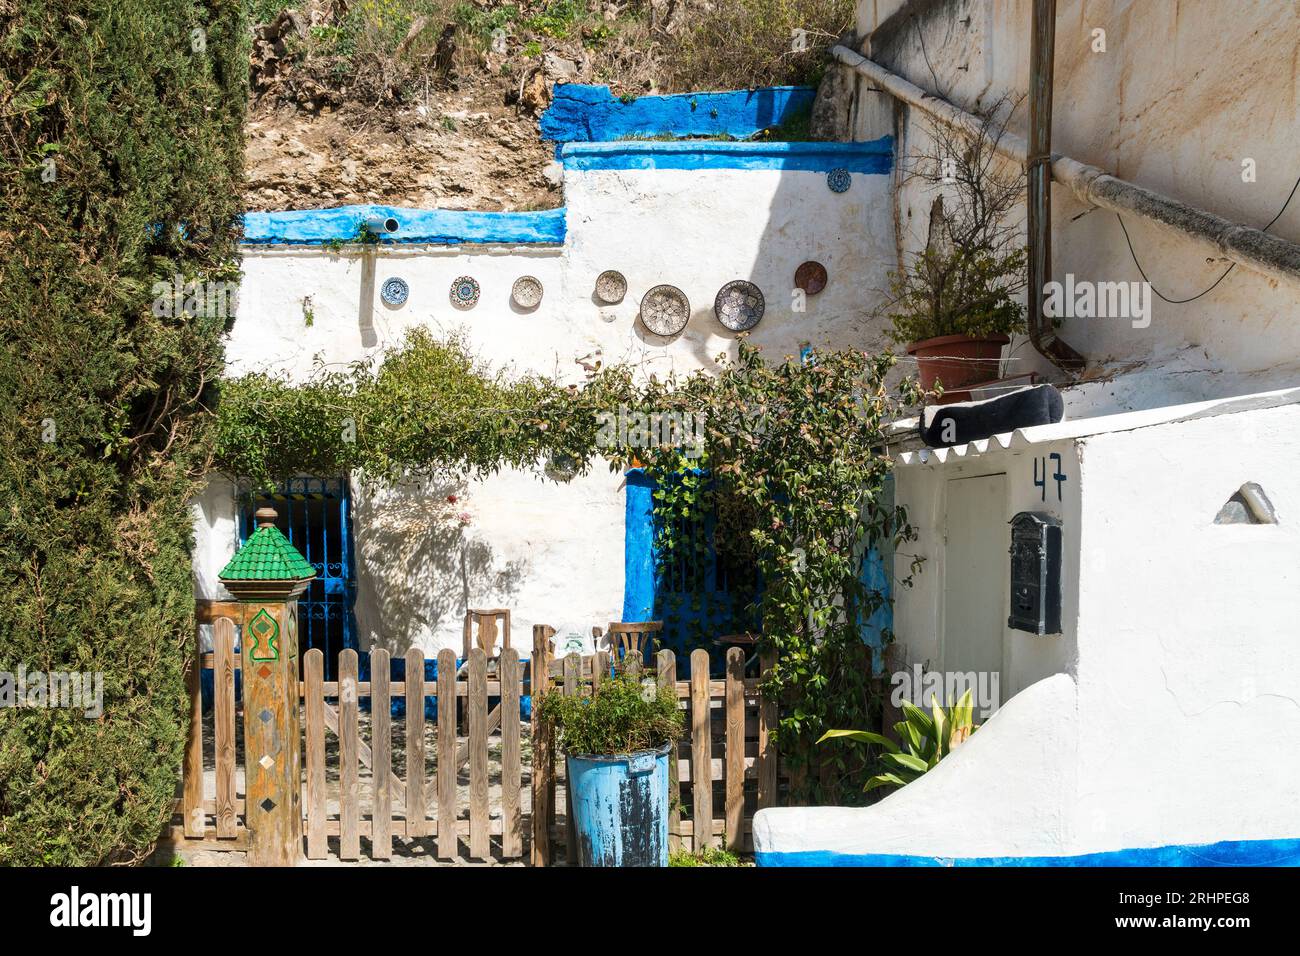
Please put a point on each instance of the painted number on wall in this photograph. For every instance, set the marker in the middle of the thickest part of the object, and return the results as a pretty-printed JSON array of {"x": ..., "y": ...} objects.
[{"x": 1041, "y": 474}]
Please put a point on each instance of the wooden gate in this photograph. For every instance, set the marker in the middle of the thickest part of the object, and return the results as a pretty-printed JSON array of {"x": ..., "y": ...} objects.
[{"x": 464, "y": 784}]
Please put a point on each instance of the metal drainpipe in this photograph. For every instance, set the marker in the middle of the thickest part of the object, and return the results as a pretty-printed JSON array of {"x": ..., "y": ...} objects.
[
  {"x": 1250, "y": 248},
  {"x": 1039, "y": 184}
]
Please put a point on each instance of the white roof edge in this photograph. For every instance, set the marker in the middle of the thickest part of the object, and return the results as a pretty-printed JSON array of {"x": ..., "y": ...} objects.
[{"x": 1103, "y": 424}]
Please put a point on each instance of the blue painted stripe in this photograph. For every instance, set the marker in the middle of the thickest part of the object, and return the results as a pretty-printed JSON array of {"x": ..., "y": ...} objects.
[
  {"x": 1226, "y": 853},
  {"x": 638, "y": 547},
  {"x": 871, "y": 158},
  {"x": 436, "y": 226},
  {"x": 591, "y": 114}
]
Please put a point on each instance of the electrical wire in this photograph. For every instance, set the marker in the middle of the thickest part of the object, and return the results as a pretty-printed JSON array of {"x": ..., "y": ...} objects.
[{"x": 1216, "y": 282}]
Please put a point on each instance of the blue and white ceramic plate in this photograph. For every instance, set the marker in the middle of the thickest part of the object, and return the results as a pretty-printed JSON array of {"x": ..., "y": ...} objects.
[
  {"x": 394, "y": 291},
  {"x": 464, "y": 292},
  {"x": 839, "y": 179}
]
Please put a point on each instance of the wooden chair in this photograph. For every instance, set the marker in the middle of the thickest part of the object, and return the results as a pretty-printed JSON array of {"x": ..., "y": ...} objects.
[
  {"x": 489, "y": 623},
  {"x": 633, "y": 638}
]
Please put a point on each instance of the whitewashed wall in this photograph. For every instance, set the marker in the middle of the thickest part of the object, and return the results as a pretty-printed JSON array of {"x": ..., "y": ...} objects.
[
  {"x": 553, "y": 553},
  {"x": 1155, "y": 718},
  {"x": 1183, "y": 93}
]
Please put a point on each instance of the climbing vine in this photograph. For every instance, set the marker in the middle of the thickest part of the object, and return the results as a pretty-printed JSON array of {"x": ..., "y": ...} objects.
[{"x": 780, "y": 474}]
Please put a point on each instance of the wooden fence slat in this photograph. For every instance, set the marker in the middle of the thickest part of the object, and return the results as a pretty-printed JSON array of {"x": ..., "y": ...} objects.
[
  {"x": 734, "y": 808},
  {"x": 223, "y": 724},
  {"x": 381, "y": 746},
  {"x": 479, "y": 845},
  {"x": 767, "y": 718},
  {"x": 313, "y": 665},
  {"x": 447, "y": 845},
  {"x": 667, "y": 668},
  {"x": 701, "y": 752},
  {"x": 572, "y": 688},
  {"x": 349, "y": 785},
  {"x": 194, "y": 823},
  {"x": 539, "y": 682},
  {"x": 512, "y": 841},
  {"x": 599, "y": 669},
  {"x": 415, "y": 808}
]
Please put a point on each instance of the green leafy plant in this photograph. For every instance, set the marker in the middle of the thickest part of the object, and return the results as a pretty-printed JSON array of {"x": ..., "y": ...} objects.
[
  {"x": 625, "y": 714},
  {"x": 928, "y": 738},
  {"x": 106, "y": 434},
  {"x": 708, "y": 856},
  {"x": 967, "y": 279}
]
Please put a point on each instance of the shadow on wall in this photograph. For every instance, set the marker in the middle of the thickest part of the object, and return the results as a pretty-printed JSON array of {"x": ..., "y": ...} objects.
[{"x": 419, "y": 565}]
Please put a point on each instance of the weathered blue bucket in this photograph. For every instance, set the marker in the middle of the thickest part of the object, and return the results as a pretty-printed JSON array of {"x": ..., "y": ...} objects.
[{"x": 620, "y": 808}]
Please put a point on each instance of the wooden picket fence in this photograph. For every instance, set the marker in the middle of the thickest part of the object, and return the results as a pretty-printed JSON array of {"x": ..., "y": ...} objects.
[
  {"x": 726, "y": 766},
  {"x": 725, "y": 761},
  {"x": 473, "y": 684}
]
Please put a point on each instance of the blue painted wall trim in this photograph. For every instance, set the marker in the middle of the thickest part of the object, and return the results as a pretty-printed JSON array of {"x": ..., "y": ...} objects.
[
  {"x": 638, "y": 548},
  {"x": 874, "y": 157},
  {"x": 437, "y": 226},
  {"x": 591, "y": 114},
  {"x": 1225, "y": 853}
]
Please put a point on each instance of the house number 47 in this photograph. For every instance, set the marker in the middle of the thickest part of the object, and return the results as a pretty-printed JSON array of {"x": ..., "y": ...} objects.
[{"x": 1041, "y": 474}]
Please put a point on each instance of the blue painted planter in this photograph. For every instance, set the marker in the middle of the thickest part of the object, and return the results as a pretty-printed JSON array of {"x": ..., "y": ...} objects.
[{"x": 620, "y": 808}]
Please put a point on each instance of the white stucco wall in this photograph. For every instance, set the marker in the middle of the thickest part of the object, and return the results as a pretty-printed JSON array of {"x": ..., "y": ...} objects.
[
  {"x": 1183, "y": 93},
  {"x": 1156, "y": 717},
  {"x": 552, "y": 553}
]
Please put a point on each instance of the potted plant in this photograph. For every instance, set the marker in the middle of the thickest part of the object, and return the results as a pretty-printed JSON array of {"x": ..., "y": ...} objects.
[
  {"x": 617, "y": 743},
  {"x": 954, "y": 310},
  {"x": 954, "y": 305}
]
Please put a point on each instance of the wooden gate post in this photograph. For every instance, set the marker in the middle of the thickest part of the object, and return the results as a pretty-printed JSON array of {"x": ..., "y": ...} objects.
[{"x": 266, "y": 576}]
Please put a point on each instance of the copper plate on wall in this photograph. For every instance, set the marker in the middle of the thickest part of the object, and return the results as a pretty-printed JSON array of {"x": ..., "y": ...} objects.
[
  {"x": 665, "y": 310},
  {"x": 811, "y": 277}
]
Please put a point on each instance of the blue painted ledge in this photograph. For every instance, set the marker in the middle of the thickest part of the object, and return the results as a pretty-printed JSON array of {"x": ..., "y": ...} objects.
[
  {"x": 591, "y": 114},
  {"x": 1226, "y": 853},
  {"x": 876, "y": 156},
  {"x": 437, "y": 226}
]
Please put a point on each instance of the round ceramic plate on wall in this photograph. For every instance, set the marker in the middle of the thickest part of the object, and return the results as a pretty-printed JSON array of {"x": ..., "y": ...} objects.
[
  {"x": 527, "y": 292},
  {"x": 665, "y": 310},
  {"x": 839, "y": 180},
  {"x": 464, "y": 292},
  {"x": 394, "y": 291},
  {"x": 611, "y": 287},
  {"x": 739, "y": 305},
  {"x": 811, "y": 277}
]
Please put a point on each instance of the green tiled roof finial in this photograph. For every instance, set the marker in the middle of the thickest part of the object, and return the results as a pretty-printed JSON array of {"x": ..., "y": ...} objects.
[{"x": 267, "y": 555}]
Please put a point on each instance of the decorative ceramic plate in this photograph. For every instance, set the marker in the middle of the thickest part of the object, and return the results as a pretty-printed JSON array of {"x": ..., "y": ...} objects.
[
  {"x": 394, "y": 291},
  {"x": 464, "y": 292},
  {"x": 811, "y": 277},
  {"x": 839, "y": 180},
  {"x": 526, "y": 292},
  {"x": 739, "y": 305},
  {"x": 611, "y": 287},
  {"x": 665, "y": 310}
]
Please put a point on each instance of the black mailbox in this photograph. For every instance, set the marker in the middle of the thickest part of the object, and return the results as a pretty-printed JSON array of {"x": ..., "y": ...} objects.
[{"x": 1035, "y": 573}]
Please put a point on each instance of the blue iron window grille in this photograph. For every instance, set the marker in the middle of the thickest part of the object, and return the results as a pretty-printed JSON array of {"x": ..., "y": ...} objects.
[
  {"x": 314, "y": 514},
  {"x": 700, "y": 595}
]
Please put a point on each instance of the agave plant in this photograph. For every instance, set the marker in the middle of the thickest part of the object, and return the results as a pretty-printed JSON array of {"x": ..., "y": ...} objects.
[{"x": 928, "y": 739}]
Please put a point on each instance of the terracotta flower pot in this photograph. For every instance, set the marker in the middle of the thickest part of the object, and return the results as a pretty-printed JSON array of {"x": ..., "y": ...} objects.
[{"x": 957, "y": 360}]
